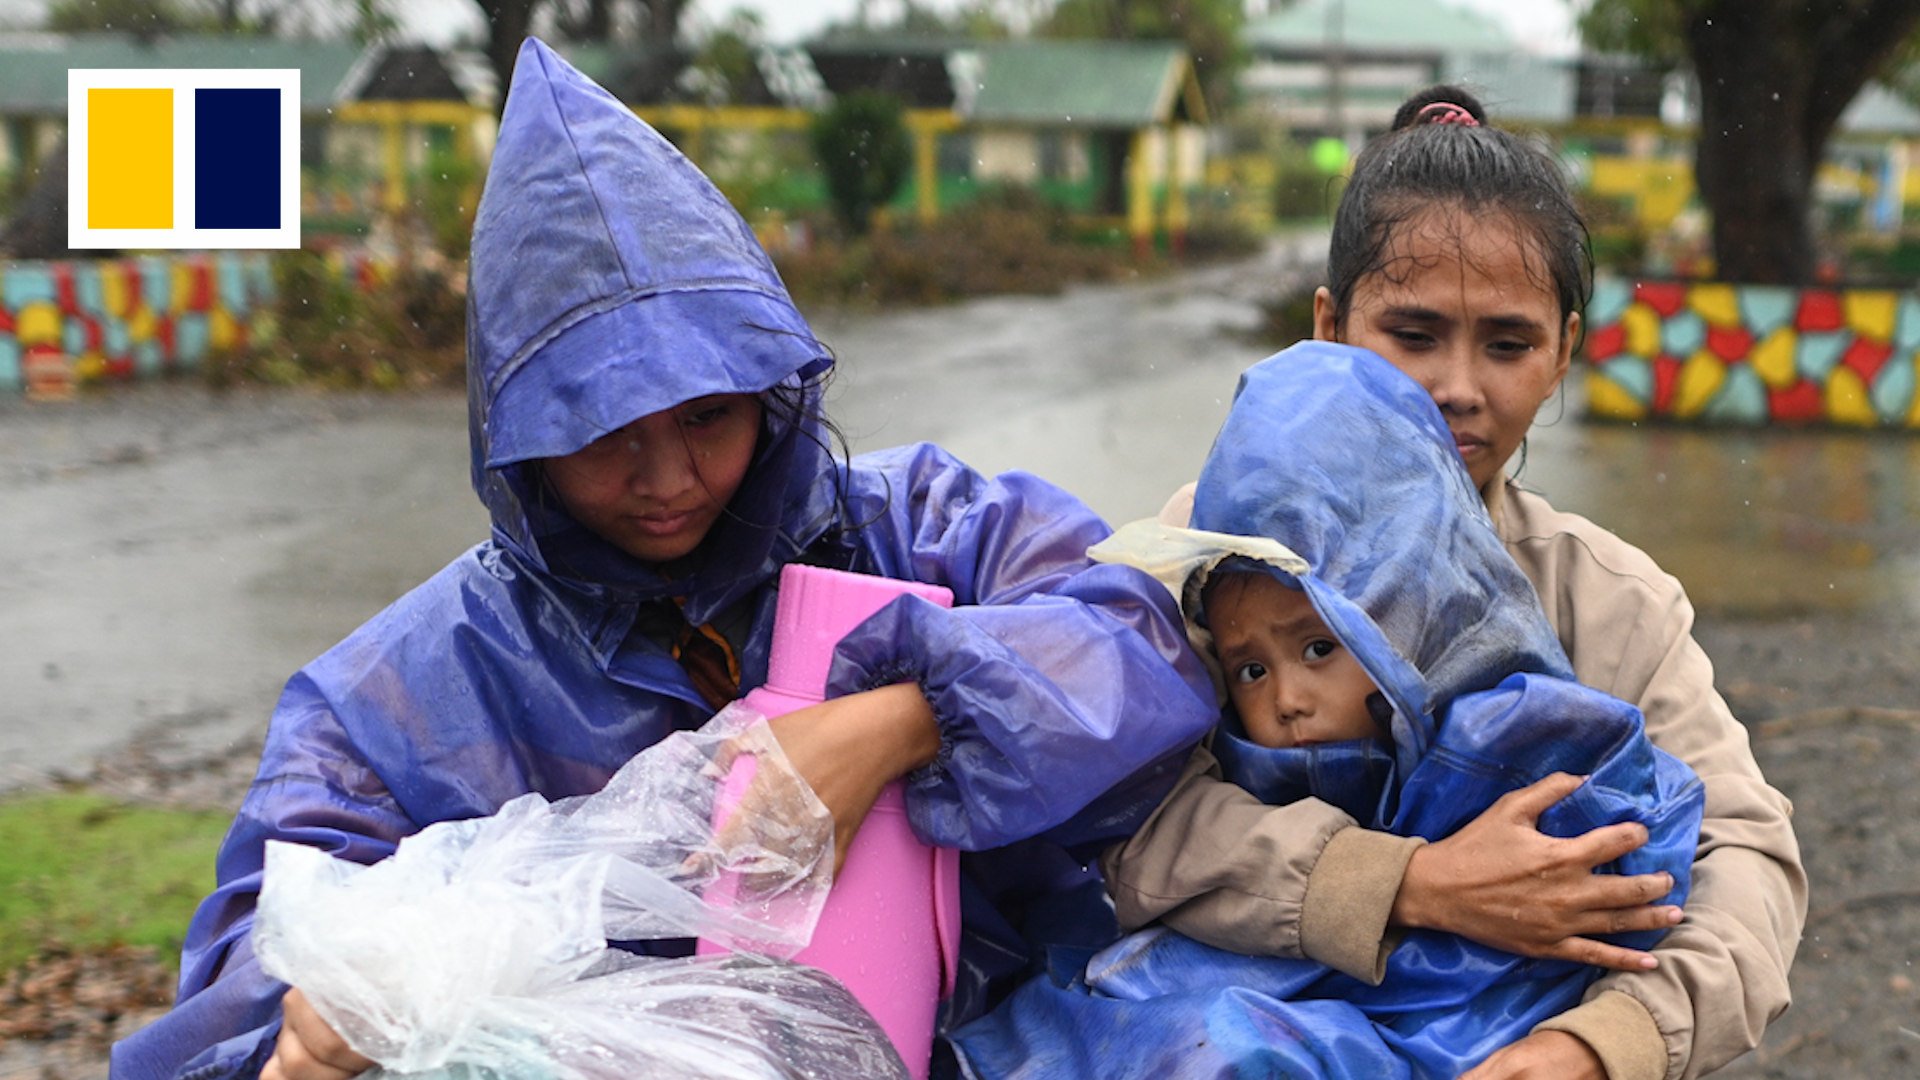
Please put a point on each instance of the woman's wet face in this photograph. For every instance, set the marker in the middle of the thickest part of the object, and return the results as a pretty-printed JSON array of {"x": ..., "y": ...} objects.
[
  {"x": 655, "y": 488},
  {"x": 1465, "y": 306}
]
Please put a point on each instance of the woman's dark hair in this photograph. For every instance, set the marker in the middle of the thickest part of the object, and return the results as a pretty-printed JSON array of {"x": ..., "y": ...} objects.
[
  {"x": 798, "y": 403},
  {"x": 1436, "y": 155}
]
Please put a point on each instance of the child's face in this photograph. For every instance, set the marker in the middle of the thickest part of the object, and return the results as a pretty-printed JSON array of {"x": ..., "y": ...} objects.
[
  {"x": 655, "y": 487},
  {"x": 1290, "y": 681},
  {"x": 1465, "y": 306}
]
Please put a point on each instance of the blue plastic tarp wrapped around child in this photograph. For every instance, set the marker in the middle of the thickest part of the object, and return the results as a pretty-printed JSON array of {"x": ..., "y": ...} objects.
[{"x": 1338, "y": 456}]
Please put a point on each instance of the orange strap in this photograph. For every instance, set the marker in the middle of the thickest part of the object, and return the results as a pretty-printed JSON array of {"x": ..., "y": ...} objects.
[{"x": 709, "y": 662}]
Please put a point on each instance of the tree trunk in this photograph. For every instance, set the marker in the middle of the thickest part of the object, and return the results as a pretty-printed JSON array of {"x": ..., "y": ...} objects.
[
  {"x": 593, "y": 24},
  {"x": 660, "y": 20},
  {"x": 1752, "y": 161},
  {"x": 508, "y": 22},
  {"x": 1774, "y": 77}
]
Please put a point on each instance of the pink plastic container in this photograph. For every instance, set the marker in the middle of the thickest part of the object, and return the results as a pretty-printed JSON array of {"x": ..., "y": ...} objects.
[{"x": 891, "y": 927}]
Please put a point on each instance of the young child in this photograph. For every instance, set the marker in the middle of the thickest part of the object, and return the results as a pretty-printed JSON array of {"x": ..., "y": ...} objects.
[
  {"x": 646, "y": 434},
  {"x": 1381, "y": 653},
  {"x": 1459, "y": 256}
]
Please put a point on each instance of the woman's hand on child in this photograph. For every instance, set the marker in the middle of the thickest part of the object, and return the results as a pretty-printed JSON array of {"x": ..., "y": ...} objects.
[
  {"x": 1501, "y": 882},
  {"x": 851, "y": 747},
  {"x": 309, "y": 1049},
  {"x": 1543, "y": 1055}
]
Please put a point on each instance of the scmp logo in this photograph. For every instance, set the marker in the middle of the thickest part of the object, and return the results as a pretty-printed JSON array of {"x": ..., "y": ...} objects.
[{"x": 183, "y": 158}]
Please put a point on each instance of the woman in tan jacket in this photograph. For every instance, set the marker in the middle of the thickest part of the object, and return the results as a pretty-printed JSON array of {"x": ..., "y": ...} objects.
[{"x": 1457, "y": 255}]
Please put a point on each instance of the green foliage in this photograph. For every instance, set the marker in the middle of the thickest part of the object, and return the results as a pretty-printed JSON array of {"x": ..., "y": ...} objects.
[
  {"x": 408, "y": 331},
  {"x": 360, "y": 20},
  {"x": 726, "y": 60},
  {"x": 373, "y": 20},
  {"x": 1654, "y": 29},
  {"x": 80, "y": 871},
  {"x": 766, "y": 172},
  {"x": 448, "y": 199},
  {"x": 1215, "y": 233},
  {"x": 132, "y": 16},
  {"x": 1302, "y": 190},
  {"x": 1286, "y": 316},
  {"x": 980, "y": 20},
  {"x": 864, "y": 152},
  {"x": 1657, "y": 31}
]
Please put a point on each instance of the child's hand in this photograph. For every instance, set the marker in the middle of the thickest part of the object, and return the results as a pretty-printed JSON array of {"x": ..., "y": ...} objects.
[
  {"x": 309, "y": 1049},
  {"x": 851, "y": 747},
  {"x": 1543, "y": 1055},
  {"x": 1501, "y": 882}
]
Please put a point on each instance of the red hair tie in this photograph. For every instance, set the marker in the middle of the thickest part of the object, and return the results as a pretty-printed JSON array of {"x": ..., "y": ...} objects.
[{"x": 1446, "y": 112}]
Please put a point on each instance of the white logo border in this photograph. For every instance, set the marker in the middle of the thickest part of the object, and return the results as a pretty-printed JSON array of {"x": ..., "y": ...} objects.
[{"x": 80, "y": 237}]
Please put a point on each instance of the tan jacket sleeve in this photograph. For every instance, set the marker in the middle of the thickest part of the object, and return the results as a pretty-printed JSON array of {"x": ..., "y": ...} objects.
[
  {"x": 1629, "y": 628},
  {"x": 1222, "y": 867}
]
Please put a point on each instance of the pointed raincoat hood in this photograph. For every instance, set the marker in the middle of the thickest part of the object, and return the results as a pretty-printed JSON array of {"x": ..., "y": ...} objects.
[
  {"x": 1336, "y": 473},
  {"x": 611, "y": 280}
]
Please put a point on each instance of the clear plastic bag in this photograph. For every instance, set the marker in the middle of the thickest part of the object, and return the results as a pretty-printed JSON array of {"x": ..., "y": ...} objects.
[{"x": 479, "y": 948}]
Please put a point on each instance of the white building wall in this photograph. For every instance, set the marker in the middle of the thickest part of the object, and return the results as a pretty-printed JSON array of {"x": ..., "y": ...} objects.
[{"x": 1006, "y": 155}]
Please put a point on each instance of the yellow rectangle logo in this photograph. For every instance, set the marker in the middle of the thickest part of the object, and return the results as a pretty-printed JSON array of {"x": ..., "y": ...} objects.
[{"x": 130, "y": 158}]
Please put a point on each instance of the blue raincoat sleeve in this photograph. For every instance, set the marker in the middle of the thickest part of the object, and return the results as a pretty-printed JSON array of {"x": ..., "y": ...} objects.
[
  {"x": 313, "y": 789},
  {"x": 1065, "y": 690}
]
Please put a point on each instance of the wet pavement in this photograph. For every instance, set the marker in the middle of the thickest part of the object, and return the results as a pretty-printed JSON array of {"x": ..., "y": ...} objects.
[
  {"x": 1757, "y": 524},
  {"x": 175, "y": 554}
]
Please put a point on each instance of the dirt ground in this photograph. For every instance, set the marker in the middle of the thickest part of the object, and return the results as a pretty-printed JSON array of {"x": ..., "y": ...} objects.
[
  {"x": 1831, "y": 704},
  {"x": 1825, "y": 697}
]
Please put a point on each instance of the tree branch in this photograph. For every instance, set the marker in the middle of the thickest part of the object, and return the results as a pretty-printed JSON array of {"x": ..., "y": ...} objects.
[{"x": 1850, "y": 46}]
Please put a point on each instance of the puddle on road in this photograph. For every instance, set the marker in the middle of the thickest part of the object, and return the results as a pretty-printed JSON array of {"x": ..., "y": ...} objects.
[{"x": 1755, "y": 524}]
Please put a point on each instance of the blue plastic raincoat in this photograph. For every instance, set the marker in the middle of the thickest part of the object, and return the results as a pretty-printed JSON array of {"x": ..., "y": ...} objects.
[
  {"x": 1340, "y": 457},
  {"x": 610, "y": 280}
]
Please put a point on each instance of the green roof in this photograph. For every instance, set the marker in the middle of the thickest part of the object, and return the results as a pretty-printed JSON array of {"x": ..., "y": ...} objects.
[
  {"x": 1127, "y": 84},
  {"x": 33, "y": 67},
  {"x": 1387, "y": 26}
]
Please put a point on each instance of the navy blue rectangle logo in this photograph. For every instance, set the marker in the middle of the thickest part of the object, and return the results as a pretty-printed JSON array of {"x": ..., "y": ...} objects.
[{"x": 236, "y": 159}]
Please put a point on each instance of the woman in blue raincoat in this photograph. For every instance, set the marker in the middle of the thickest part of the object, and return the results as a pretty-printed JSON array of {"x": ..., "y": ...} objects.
[
  {"x": 1338, "y": 456},
  {"x": 646, "y": 430}
]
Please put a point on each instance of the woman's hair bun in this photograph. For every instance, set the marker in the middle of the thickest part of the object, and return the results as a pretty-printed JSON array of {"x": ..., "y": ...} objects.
[{"x": 1415, "y": 110}]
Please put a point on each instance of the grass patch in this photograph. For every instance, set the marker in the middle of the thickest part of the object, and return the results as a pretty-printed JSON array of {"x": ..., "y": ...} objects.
[
  {"x": 407, "y": 330},
  {"x": 80, "y": 872}
]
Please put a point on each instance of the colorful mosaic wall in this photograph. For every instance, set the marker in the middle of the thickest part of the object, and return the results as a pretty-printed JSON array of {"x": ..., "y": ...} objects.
[
  {"x": 65, "y": 323},
  {"x": 1712, "y": 353}
]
